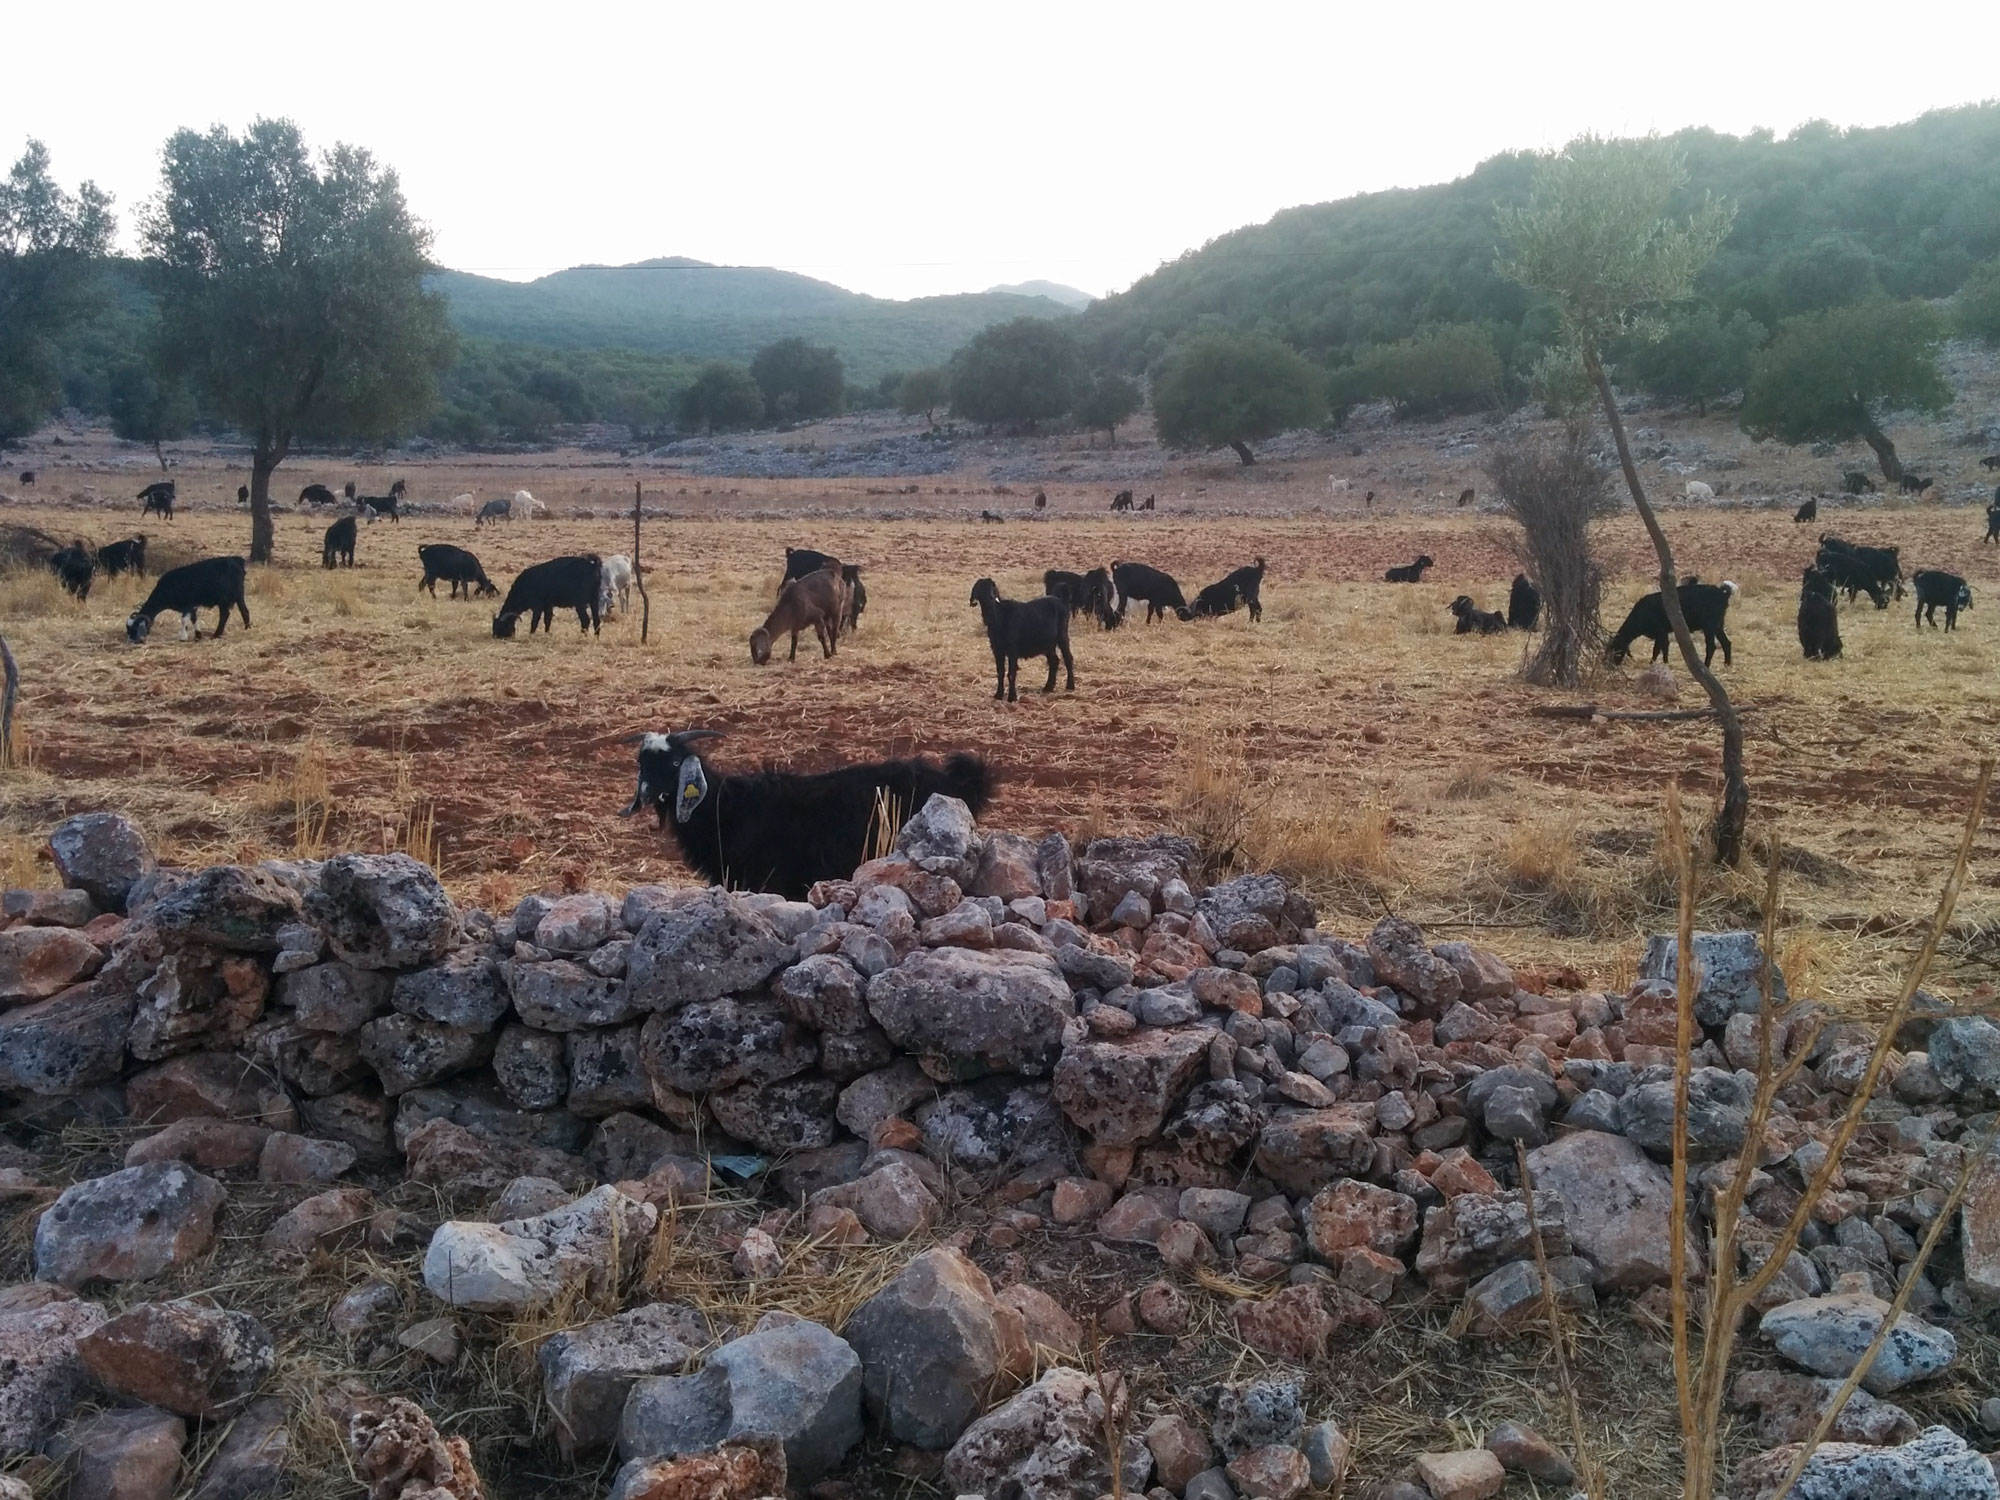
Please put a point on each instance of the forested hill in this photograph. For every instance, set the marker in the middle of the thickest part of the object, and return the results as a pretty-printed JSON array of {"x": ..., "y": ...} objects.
[
  {"x": 1823, "y": 217},
  {"x": 677, "y": 306}
]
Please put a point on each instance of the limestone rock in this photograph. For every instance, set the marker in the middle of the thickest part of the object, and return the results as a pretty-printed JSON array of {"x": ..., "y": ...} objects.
[
  {"x": 707, "y": 946},
  {"x": 128, "y": 1226},
  {"x": 37, "y": 962},
  {"x": 1618, "y": 1204},
  {"x": 1396, "y": 948},
  {"x": 526, "y": 1263},
  {"x": 193, "y": 1359},
  {"x": 1045, "y": 1443},
  {"x": 102, "y": 854},
  {"x": 397, "y": 1451},
  {"x": 130, "y": 1453},
  {"x": 1828, "y": 1335},
  {"x": 1470, "y": 1474},
  {"x": 891, "y": 1202},
  {"x": 1120, "y": 1092},
  {"x": 930, "y": 1349},
  {"x": 750, "y": 1470},
  {"x": 1731, "y": 966},
  {"x": 1937, "y": 1465},
  {"x": 1790, "y": 1406},
  {"x": 588, "y": 1372},
  {"x": 65, "y": 1044},
  {"x": 1475, "y": 1233},
  {"x": 965, "y": 1012},
  {"x": 45, "y": 1376}
]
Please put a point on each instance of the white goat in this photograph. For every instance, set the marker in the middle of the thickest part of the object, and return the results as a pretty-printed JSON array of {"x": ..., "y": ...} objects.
[
  {"x": 526, "y": 507},
  {"x": 615, "y": 577},
  {"x": 1696, "y": 490}
]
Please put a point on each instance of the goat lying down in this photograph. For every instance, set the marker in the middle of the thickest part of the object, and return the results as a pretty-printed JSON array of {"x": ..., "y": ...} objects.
[{"x": 780, "y": 831}]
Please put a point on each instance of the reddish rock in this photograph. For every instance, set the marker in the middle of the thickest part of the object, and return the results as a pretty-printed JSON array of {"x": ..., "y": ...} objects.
[
  {"x": 196, "y": 1360},
  {"x": 1472, "y": 1474},
  {"x": 1120, "y": 1092},
  {"x": 1457, "y": 1172},
  {"x": 1526, "y": 1451},
  {"x": 1184, "y": 1246},
  {"x": 1047, "y": 1326},
  {"x": 319, "y": 1219},
  {"x": 1135, "y": 1218},
  {"x": 128, "y": 1226},
  {"x": 37, "y": 962},
  {"x": 132, "y": 1453},
  {"x": 1293, "y": 1324},
  {"x": 1277, "y": 1472},
  {"x": 1369, "y": 1274},
  {"x": 212, "y": 1145},
  {"x": 399, "y": 1454},
  {"x": 1077, "y": 1200},
  {"x": 220, "y": 1085},
  {"x": 1304, "y": 1151},
  {"x": 1358, "y": 1215},
  {"x": 1162, "y": 1307}
]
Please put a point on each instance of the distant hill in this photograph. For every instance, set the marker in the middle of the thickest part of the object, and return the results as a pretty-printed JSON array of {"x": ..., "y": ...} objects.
[
  {"x": 1823, "y": 216},
  {"x": 1055, "y": 291},
  {"x": 686, "y": 307}
]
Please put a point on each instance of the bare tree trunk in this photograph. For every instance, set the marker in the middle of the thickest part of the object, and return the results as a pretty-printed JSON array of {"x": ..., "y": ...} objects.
[
  {"x": 1885, "y": 451},
  {"x": 161, "y": 454},
  {"x": 7, "y": 697},
  {"x": 263, "y": 531},
  {"x": 1243, "y": 451},
  {"x": 1734, "y": 813}
]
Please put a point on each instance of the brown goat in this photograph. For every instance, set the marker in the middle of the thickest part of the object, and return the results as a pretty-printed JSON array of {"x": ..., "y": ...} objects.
[{"x": 818, "y": 600}]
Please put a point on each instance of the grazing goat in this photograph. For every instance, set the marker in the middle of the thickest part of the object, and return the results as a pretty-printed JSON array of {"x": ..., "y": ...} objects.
[
  {"x": 378, "y": 506},
  {"x": 1156, "y": 590},
  {"x": 28, "y": 476},
  {"x": 494, "y": 510},
  {"x": 1369, "y": 499},
  {"x": 616, "y": 580},
  {"x": 525, "y": 507},
  {"x": 801, "y": 562},
  {"x": 1875, "y": 571},
  {"x": 1911, "y": 484},
  {"x": 1936, "y": 587},
  {"x": 1992, "y": 523},
  {"x": 1472, "y": 620},
  {"x": 158, "y": 496},
  {"x": 1991, "y": 461},
  {"x": 1703, "y": 605},
  {"x": 128, "y": 556},
  {"x": 1807, "y": 512},
  {"x": 993, "y": 516},
  {"x": 1854, "y": 482},
  {"x": 73, "y": 568},
  {"x": 541, "y": 589},
  {"x": 1041, "y": 500},
  {"x": 1819, "y": 620},
  {"x": 1414, "y": 573},
  {"x": 817, "y": 601},
  {"x": 1231, "y": 593},
  {"x": 1092, "y": 592},
  {"x": 1147, "y": 504},
  {"x": 317, "y": 494},
  {"x": 1023, "y": 627},
  {"x": 242, "y": 494},
  {"x": 1524, "y": 604},
  {"x": 213, "y": 583},
  {"x": 339, "y": 544},
  {"x": 783, "y": 831},
  {"x": 456, "y": 567},
  {"x": 1464, "y": 498},
  {"x": 1696, "y": 490},
  {"x": 1122, "y": 500}
]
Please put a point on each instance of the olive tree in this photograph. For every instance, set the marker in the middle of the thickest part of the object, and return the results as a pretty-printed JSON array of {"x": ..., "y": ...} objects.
[
  {"x": 292, "y": 297},
  {"x": 1596, "y": 237},
  {"x": 1231, "y": 390},
  {"x": 1827, "y": 376},
  {"x": 1110, "y": 399},
  {"x": 50, "y": 245},
  {"x": 923, "y": 392}
]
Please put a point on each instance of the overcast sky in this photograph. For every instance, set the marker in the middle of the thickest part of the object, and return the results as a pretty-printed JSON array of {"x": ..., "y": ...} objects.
[{"x": 908, "y": 149}]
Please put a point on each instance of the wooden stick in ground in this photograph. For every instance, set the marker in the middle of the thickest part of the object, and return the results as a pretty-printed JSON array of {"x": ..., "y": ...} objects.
[
  {"x": 639, "y": 568},
  {"x": 7, "y": 697},
  {"x": 1684, "y": 992},
  {"x": 1587, "y": 1470}
]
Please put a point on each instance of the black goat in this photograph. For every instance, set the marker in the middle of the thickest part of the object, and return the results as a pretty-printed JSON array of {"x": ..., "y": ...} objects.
[
  {"x": 1122, "y": 500},
  {"x": 1464, "y": 498},
  {"x": 1231, "y": 593},
  {"x": 128, "y": 556},
  {"x": 213, "y": 583},
  {"x": 1090, "y": 592},
  {"x": 542, "y": 588},
  {"x": 1936, "y": 587},
  {"x": 992, "y": 516},
  {"x": 378, "y": 506},
  {"x": 317, "y": 494},
  {"x": 242, "y": 494},
  {"x": 1072, "y": 588},
  {"x": 73, "y": 568},
  {"x": 494, "y": 510},
  {"x": 1819, "y": 620},
  {"x": 1912, "y": 484},
  {"x": 1023, "y": 627},
  {"x": 1524, "y": 604},
  {"x": 158, "y": 496},
  {"x": 1156, "y": 590},
  {"x": 455, "y": 566},
  {"x": 1147, "y": 503},
  {"x": 783, "y": 831},
  {"x": 1991, "y": 461},
  {"x": 1854, "y": 482},
  {"x": 1875, "y": 571},
  {"x": 1472, "y": 620},
  {"x": 1414, "y": 573},
  {"x": 1808, "y": 511},
  {"x": 800, "y": 561},
  {"x": 338, "y": 546},
  {"x": 1992, "y": 523},
  {"x": 1703, "y": 605},
  {"x": 27, "y": 476}
]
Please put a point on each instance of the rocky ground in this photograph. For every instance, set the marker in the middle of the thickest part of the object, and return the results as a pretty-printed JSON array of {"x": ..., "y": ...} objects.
[{"x": 1000, "y": 1169}]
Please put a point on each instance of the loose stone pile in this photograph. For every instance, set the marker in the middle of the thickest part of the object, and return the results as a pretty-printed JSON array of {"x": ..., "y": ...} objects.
[{"x": 1101, "y": 1044}]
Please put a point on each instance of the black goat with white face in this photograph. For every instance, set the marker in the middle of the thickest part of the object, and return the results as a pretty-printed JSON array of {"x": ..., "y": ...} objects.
[{"x": 781, "y": 831}]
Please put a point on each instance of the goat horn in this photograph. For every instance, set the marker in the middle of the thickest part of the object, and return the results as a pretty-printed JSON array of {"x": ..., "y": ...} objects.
[
  {"x": 630, "y": 739},
  {"x": 688, "y": 736}
]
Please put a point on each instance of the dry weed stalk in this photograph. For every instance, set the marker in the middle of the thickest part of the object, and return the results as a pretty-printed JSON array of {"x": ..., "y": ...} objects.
[
  {"x": 312, "y": 801},
  {"x": 1701, "y": 1391},
  {"x": 1589, "y": 1472}
]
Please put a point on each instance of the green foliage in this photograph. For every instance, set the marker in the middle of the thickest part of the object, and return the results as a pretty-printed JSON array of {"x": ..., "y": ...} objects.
[
  {"x": 1450, "y": 368},
  {"x": 1598, "y": 239},
  {"x": 1828, "y": 376},
  {"x": 687, "y": 308},
  {"x": 291, "y": 289},
  {"x": 1978, "y": 307},
  {"x": 520, "y": 393},
  {"x": 1832, "y": 271},
  {"x": 1224, "y": 389},
  {"x": 1922, "y": 198},
  {"x": 723, "y": 396},
  {"x": 1109, "y": 400},
  {"x": 1561, "y": 383},
  {"x": 50, "y": 242},
  {"x": 1025, "y": 371},
  {"x": 799, "y": 380},
  {"x": 923, "y": 392},
  {"x": 1698, "y": 358},
  {"x": 145, "y": 408}
]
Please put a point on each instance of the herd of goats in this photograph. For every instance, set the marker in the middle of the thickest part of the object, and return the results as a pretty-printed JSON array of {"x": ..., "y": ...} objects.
[{"x": 820, "y": 593}]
